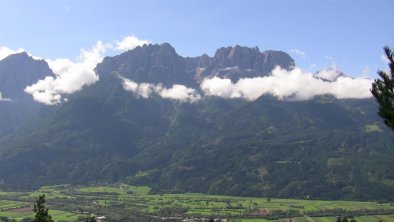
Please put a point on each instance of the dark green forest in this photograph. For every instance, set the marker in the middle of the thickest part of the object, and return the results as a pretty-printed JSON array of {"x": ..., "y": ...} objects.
[{"x": 322, "y": 148}]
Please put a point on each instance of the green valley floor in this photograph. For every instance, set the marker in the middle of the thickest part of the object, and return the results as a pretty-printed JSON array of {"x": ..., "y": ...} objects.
[{"x": 121, "y": 202}]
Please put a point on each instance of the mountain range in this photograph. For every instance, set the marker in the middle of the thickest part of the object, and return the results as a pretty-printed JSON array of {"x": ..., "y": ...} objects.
[{"x": 323, "y": 147}]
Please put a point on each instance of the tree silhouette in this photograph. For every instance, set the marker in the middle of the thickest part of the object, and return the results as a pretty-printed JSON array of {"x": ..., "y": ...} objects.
[
  {"x": 41, "y": 211},
  {"x": 383, "y": 91}
]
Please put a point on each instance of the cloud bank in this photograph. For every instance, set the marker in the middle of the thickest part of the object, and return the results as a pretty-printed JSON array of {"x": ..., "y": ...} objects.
[
  {"x": 72, "y": 76},
  {"x": 177, "y": 92},
  {"x": 294, "y": 85},
  {"x": 69, "y": 76},
  {"x": 291, "y": 85}
]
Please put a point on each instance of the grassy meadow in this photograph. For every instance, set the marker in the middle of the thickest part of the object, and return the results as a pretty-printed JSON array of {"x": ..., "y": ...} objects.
[{"x": 117, "y": 202}]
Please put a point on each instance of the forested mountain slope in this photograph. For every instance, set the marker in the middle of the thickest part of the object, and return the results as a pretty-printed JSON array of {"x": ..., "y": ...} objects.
[{"x": 318, "y": 148}]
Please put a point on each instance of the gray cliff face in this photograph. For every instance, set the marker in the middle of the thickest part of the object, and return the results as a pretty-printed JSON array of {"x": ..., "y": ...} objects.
[
  {"x": 277, "y": 58},
  {"x": 150, "y": 63},
  {"x": 161, "y": 64},
  {"x": 243, "y": 62}
]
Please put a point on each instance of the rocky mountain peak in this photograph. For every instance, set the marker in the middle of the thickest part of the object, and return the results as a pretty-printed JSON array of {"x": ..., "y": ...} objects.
[
  {"x": 274, "y": 58},
  {"x": 20, "y": 55},
  {"x": 20, "y": 70},
  {"x": 154, "y": 51},
  {"x": 242, "y": 62},
  {"x": 160, "y": 63},
  {"x": 16, "y": 72},
  {"x": 329, "y": 75},
  {"x": 242, "y": 57}
]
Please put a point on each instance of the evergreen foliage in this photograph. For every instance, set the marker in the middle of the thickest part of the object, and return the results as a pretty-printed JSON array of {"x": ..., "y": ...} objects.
[
  {"x": 383, "y": 90},
  {"x": 41, "y": 211}
]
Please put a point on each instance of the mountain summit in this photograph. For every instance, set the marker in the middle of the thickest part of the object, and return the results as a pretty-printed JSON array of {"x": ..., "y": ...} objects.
[
  {"x": 241, "y": 62},
  {"x": 161, "y": 64},
  {"x": 16, "y": 72}
]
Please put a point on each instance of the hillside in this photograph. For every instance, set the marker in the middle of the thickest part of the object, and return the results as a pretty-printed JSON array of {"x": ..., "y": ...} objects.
[{"x": 319, "y": 148}]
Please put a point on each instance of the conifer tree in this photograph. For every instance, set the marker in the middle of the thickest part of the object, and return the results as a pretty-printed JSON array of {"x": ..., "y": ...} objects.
[
  {"x": 41, "y": 211},
  {"x": 383, "y": 91}
]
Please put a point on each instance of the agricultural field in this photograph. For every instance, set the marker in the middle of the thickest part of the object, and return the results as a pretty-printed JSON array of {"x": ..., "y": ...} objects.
[{"x": 123, "y": 202}]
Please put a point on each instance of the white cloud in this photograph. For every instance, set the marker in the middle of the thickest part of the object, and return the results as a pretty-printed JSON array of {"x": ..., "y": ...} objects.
[
  {"x": 5, "y": 51},
  {"x": 129, "y": 85},
  {"x": 130, "y": 42},
  {"x": 176, "y": 92},
  {"x": 285, "y": 85},
  {"x": 180, "y": 93},
  {"x": 293, "y": 85},
  {"x": 331, "y": 74},
  {"x": 298, "y": 52},
  {"x": 69, "y": 76},
  {"x": 220, "y": 87},
  {"x": 3, "y": 99},
  {"x": 145, "y": 90},
  {"x": 346, "y": 87}
]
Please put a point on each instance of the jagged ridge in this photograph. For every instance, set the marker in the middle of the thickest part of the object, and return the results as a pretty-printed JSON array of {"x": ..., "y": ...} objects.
[{"x": 161, "y": 64}]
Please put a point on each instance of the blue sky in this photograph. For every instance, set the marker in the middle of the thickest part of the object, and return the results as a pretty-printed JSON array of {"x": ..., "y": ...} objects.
[{"x": 349, "y": 34}]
